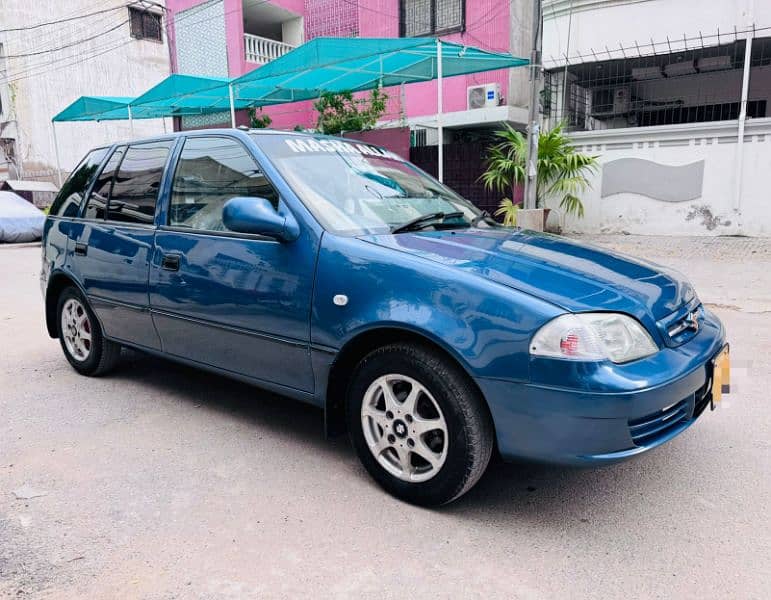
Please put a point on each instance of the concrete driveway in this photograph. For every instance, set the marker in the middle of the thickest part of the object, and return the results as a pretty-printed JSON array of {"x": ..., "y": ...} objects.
[{"x": 161, "y": 482}]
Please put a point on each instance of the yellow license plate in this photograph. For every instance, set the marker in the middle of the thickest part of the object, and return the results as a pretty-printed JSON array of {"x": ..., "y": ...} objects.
[{"x": 721, "y": 375}]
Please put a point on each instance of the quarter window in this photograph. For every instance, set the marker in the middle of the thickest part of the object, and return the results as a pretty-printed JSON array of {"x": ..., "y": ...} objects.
[
  {"x": 67, "y": 203},
  {"x": 97, "y": 201},
  {"x": 135, "y": 189},
  {"x": 211, "y": 171}
]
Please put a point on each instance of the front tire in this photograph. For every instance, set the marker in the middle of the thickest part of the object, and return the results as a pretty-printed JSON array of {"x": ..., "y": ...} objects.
[
  {"x": 81, "y": 337},
  {"x": 419, "y": 425}
]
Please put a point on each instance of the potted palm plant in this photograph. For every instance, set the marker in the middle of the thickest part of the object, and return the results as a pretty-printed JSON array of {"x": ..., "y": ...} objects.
[{"x": 562, "y": 171}]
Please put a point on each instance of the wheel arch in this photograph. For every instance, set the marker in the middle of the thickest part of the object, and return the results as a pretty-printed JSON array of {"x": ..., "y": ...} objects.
[
  {"x": 56, "y": 284},
  {"x": 355, "y": 349}
]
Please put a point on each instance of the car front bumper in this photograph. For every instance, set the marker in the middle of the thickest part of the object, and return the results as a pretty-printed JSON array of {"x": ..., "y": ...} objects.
[{"x": 610, "y": 412}]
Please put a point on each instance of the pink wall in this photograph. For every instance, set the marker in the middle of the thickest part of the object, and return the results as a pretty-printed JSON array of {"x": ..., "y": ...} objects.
[{"x": 487, "y": 26}]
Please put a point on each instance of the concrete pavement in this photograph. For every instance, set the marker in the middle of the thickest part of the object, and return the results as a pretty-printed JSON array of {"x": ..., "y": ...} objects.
[{"x": 160, "y": 482}]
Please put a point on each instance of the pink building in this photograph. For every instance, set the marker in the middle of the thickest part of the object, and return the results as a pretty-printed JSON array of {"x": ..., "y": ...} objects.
[{"x": 233, "y": 37}]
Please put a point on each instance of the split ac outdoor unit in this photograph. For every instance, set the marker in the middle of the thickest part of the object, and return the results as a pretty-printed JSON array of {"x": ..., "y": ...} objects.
[
  {"x": 621, "y": 100},
  {"x": 714, "y": 63},
  {"x": 644, "y": 73},
  {"x": 676, "y": 69},
  {"x": 483, "y": 96}
]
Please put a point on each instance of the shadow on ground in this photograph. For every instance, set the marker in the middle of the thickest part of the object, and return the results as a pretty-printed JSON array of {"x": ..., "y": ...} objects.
[{"x": 522, "y": 491}]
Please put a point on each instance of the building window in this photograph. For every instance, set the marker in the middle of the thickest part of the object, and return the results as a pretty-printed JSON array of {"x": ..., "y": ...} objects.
[
  {"x": 431, "y": 17},
  {"x": 145, "y": 25}
]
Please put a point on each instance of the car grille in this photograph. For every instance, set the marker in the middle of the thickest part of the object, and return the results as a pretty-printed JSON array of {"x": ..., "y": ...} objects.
[
  {"x": 651, "y": 427},
  {"x": 683, "y": 324}
]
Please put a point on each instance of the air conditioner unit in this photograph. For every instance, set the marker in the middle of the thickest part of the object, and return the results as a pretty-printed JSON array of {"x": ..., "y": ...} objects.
[
  {"x": 622, "y": 100},
  {"x": 714, "y": 63},
  {"x": 483, "y": 96}
]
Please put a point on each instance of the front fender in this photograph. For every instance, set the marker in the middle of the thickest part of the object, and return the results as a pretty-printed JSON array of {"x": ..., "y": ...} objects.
[{"x": 486, "y": 326}]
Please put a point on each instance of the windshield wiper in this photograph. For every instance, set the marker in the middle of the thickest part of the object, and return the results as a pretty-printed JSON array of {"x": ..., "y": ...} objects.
[
  {"x": 483, "y": 216},
  {"x": 425, "y": 220}
]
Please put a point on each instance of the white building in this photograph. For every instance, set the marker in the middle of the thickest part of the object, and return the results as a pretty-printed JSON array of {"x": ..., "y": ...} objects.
[
  {"x": 674, "y": 96},
  {"x": 48, "y": 58}
]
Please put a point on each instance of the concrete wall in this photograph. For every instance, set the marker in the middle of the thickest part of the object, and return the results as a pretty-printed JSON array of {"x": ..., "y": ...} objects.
[
  {"x": 112, "y": 64},
  {"x": 678, "y": 180}
]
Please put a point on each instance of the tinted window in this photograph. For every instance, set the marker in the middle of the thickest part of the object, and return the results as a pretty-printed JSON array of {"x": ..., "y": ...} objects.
[
  {"x": 97, "y": 201},
  {"x": 137, "y": 183},
  {"x": 68, "y": 200},
  {"x": 211, "y": 171}
]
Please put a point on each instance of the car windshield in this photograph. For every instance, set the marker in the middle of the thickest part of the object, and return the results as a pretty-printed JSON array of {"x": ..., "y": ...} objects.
[{"x": 354, "y": 188}]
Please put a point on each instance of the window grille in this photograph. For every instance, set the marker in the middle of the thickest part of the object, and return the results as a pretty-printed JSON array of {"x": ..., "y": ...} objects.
[
  {"x": 683, "y": 86},
  {"x": 145, "y": 25},
  {"x": 431, "y": 17}
]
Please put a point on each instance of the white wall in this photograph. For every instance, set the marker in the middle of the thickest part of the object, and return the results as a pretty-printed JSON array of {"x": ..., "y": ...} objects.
[
  {"x": 113, "y": 64},
  {"x": 723, "y": 207},
  {"x": 602, "y": 25}
]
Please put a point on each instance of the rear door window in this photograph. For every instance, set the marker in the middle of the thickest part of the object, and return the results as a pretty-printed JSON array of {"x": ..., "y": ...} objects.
[
  {"x": 67, "y": 202},
  {"x": 100, "y": 194},
  {"x": 135, "y": 189},
  {"x": 211, "y": 171}
]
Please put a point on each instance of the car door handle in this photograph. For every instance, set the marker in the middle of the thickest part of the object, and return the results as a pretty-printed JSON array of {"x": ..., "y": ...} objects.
[
  {"x": 81, "y": 249},
  {"x": 170, "y": 262}
]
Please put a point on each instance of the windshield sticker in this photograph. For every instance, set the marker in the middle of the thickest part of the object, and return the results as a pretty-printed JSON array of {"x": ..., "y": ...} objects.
[{"x": 335, "y": 146}]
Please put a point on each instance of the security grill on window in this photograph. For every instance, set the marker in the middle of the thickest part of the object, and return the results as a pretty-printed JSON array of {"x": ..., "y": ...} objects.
[
  {"x": 145, "y": 25},
  {"x": 431, "y": 17},
  {"x": 693, "y": 85}
]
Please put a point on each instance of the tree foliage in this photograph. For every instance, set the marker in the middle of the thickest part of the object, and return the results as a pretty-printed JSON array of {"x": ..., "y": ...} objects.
[
  {"x": 342, "y": 112},
  {"x": 258, "y": 120},
  {"x": 562, "y": 171}
]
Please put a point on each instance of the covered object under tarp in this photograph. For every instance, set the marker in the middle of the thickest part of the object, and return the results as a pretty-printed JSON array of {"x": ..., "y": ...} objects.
[{"x": 20, "y": 221}]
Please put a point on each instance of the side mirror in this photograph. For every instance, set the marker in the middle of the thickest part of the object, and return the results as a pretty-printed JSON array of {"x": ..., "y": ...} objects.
[{"x": 257, "y": 215}]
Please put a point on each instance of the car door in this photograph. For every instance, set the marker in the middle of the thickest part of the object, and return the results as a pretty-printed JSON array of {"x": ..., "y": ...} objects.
[
  {"x": 237, "y": 302},
  {"x": 113, "y": 241}
]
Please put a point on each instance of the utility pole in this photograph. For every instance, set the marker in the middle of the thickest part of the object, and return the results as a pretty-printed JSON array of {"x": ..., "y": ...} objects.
[{"x": 533, "y": 119}]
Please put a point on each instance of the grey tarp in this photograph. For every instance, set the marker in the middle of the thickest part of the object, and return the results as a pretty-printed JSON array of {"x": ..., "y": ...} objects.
[{"x": 20, "y": 221}]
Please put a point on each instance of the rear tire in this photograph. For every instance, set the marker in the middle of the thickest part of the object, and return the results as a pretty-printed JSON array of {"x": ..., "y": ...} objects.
[
  {"x": 81, "y": 337},
  {"x": 419, "y": 425}
]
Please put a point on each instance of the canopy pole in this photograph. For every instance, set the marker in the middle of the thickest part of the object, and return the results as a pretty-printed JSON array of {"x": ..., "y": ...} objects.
[
  {"x": 232, "y": 106},
  {"x": 439, "y": 109},
  {"x": 163, "y": 120},
  {"x": 131, "y": 121},
  {"x": 56, "y": 153}
]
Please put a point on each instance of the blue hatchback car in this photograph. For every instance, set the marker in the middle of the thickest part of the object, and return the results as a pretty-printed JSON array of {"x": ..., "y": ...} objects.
[{"x": 336, "y": 273}]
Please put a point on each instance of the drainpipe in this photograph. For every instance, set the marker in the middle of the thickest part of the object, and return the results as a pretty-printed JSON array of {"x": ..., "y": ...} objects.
[{"x": 738, "y": 176}]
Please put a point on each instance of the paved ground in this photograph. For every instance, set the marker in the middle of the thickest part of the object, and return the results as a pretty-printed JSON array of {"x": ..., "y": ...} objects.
[{"x": 161, "y": 482}]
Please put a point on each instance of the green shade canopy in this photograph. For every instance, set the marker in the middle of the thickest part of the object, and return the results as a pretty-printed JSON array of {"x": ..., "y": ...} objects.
[
  {"x": 355, "y": 64},
  {"x": 179, "y": 95},
  {"x": 96, "y": 108},
  {"x": 321, "y": 65}
]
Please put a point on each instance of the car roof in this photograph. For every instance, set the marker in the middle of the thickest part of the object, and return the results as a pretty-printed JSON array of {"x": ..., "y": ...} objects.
[{"x": 218, "y": 131}]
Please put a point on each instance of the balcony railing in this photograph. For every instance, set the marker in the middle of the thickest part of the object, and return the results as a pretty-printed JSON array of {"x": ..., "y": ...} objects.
[{"x": 261, "y": 50}]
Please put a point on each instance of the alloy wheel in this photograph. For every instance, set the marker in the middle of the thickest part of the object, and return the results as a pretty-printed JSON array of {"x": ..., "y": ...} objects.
[{"x": 404, "y": 427}]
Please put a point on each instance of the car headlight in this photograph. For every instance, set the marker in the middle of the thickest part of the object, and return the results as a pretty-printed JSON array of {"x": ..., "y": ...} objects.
[{"x": 593, "y": 336}]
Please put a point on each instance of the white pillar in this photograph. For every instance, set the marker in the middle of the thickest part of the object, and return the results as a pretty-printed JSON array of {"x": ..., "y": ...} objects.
[
  {"x": 232, "y": 106},
  {"x": 163, "y": 119},
  {"x": 738, "y": 176},
  {"x": 56, "y": 154},
  {"x": 439, "y": 109},
  {"x": 131, "y": 122}
]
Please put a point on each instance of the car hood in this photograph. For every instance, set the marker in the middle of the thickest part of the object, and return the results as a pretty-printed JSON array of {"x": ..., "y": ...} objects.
[{"x": 574, "y": 276}]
